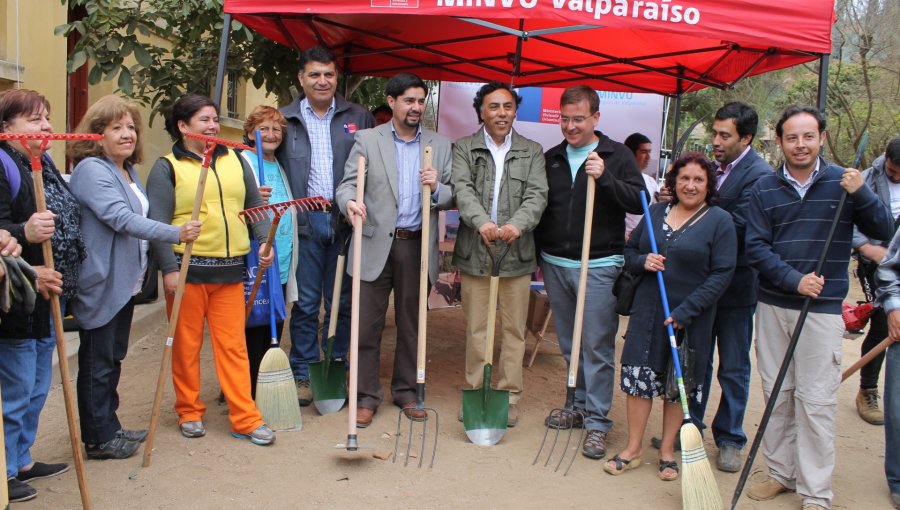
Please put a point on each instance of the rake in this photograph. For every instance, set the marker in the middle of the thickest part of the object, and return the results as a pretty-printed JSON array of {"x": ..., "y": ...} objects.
[
  {"x": 428, "y": 414},
  {"x": 47, "y": 250},
  {"x": 274, "y": 212},
  {"x": 569, "y": 414},
  {"x": 211, "y": 143}
]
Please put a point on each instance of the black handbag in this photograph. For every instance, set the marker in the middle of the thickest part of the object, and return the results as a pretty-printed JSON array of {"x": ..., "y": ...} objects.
[
  {"x": 686, "y": 358},
  {"x": 624, "y": 288}
]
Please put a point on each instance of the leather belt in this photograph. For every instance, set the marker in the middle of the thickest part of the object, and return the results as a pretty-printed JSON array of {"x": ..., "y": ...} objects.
[{"x": 402, "y": 233}]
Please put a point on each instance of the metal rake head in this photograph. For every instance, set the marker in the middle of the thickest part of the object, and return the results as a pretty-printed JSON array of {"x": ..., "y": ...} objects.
[
  {"x": 564, "y": 419},
  {"x": 45, "y": 142},
  {"x": 275, "y": 211},
  {"x": 430, "y": 415},
  {"x": 215, "y": 140}
]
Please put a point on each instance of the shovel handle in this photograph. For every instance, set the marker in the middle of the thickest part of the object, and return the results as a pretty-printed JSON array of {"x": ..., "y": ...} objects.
[
  {"x": 423, "y": 274},
  {"x": 582, "y": 281}
]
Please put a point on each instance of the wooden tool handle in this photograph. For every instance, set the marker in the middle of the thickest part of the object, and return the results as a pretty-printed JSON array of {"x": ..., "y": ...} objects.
[
  {"x": 861, "y": 362},
  {"x": 354, "y": 303},
  {"x": 582, "y": 282},
  {"x": 423, "y": 273},
  {"x": 270, "y": 238},
  {"x": 173, "y": 322},
  {"x": 68, "y": 394}
]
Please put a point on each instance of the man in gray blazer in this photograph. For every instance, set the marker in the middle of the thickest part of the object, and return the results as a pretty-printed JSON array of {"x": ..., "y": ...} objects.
[{"x": 392, "y": 231}]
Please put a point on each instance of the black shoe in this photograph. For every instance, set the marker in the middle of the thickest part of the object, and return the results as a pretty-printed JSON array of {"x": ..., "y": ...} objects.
[
  {"x": 656, "y": 442},
  {"x": 19, "y": 490},
  {"x": 118, "y": 448},
  {"x": 132, "y": 435},
  {"x": 40, "y": 470}
]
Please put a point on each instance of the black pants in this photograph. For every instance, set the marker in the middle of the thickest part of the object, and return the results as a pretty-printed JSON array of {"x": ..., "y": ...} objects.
[
  {"x": 878, "y": 331},
  {"x": 99, "y": 367}
]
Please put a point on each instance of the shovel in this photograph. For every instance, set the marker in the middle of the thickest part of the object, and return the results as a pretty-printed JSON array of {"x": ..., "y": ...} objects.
[
  {"x": 486, "y": 410},
  {"x": 328, "y": 378},
  {"x": 568, "y": 414}
]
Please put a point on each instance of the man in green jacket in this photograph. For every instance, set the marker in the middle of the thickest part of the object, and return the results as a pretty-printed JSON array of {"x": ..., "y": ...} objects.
[{"x": 500, "y": 188}]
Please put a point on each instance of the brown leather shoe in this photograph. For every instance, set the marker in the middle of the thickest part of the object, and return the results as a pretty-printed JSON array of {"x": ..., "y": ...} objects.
[
  {"x": 409, "y": 409},
  {"x": 364, "y": 417},
  {"x": 766, "y": 489},
  {"x": 513, "y": 417}
]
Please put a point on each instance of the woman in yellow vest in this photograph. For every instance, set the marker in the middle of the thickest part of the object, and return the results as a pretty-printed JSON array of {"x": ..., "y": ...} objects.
[{"x": 214, "y": 289}]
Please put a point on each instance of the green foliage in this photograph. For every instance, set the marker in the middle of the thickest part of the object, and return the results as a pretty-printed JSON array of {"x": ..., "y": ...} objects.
[{"x": 157, "y": 50}]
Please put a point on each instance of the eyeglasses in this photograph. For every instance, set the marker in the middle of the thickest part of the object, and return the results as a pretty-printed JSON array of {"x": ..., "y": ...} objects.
[{"x": 578, "y": 119}]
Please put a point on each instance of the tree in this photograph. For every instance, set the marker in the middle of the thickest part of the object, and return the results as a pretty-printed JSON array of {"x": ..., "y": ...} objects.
[{"x": 157, "y": 50}]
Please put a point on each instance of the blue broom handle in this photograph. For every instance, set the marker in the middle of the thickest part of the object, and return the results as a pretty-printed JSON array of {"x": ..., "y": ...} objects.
[
  {"x": 648, "y": 226},
  {"x": 261, "y": 172}
]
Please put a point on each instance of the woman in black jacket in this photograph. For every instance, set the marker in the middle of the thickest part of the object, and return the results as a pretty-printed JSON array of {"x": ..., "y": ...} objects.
[
  {"x": 698, "y": 250},
  {"x": 27, "y": 341}
]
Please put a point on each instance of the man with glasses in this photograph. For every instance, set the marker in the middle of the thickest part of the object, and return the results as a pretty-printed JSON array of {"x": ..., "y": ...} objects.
[{"x": 587, "y": 153}]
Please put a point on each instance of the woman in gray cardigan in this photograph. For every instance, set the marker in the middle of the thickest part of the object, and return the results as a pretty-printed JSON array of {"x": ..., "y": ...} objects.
[{"x": 115, "y": 228}]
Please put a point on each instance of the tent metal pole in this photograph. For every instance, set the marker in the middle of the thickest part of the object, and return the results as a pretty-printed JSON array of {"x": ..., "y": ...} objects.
[
  {"x": 517, "y": 59},
  {"x": 677, "y": 117},
  {"x": 823, "y": 82},
  {"x": 223, "y": 57}
]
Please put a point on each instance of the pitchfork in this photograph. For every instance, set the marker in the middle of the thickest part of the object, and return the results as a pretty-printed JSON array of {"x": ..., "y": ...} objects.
[
  {"x": 427, "y": 414},
  {"x": 41, "y": 206},
  {"x": 274, "y": 212},
  {"x": 569, "y": 415}
]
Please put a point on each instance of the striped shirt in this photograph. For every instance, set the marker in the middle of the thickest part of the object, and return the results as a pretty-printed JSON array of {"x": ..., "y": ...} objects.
[
  {"x": 409, "y": 213},
  {"x": 321, "y": 162}
]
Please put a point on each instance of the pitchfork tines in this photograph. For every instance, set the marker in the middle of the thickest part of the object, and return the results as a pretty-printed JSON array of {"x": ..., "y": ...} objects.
[
  {"x": 561, "y": 419},
  {"x": 429, "y": 415},
  {"x": 273, "y": 211}
]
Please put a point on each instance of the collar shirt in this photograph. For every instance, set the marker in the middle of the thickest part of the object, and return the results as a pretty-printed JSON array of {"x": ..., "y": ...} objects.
[
  {"x": 498, "y": 152},
  {"x": 409, "y": 209},
  {"x": 723, "y": 173},
  {"x": 321, "y": 162},
  {"x": 801, "y": 188}
]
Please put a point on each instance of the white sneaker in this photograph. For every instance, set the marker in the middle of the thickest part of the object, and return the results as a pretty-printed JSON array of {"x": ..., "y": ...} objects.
[{"x": 262, "y": 436}]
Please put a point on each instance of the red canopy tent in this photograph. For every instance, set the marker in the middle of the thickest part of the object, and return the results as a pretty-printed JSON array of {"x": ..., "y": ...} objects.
[{"x": 661, "y": 46}]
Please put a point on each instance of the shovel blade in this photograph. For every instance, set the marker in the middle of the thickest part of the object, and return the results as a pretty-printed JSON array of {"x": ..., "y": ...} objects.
[
  {"x": 329, "y": 406},
  {"x": 328, "y": 381},
  {"x": 485, "y": 414}
]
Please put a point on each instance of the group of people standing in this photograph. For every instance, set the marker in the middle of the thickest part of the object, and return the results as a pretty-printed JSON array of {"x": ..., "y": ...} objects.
[{"x": 737, "y": 240}]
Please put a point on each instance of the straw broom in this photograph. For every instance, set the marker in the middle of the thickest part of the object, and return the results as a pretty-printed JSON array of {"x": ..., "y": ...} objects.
[
  {"x": 276, "y": 393},
  {"x": 698, "y": 485}
]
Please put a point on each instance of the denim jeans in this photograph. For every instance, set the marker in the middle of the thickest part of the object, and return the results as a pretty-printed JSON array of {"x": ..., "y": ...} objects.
[
  {"x": 26, "y": 367},
  {"x": 316, "y": 261},
  {"x": 597, "y": 367},
  {"x": 733, "y": 333},
  {"x": 892, "y": 418}
]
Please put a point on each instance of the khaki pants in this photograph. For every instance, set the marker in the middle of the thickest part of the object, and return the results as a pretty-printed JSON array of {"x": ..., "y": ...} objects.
[
  {"x": 799, "y": 443},
  {"x": 512, "y": 314}
]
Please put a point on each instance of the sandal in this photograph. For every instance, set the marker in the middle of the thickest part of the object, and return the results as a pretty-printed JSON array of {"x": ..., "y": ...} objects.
[
  {"x": 620, "y": 465},
  {"x": 667, "y": 464}
]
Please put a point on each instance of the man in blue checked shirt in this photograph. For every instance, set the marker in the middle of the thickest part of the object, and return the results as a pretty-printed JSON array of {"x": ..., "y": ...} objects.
[{"x": 320, "y": 130}]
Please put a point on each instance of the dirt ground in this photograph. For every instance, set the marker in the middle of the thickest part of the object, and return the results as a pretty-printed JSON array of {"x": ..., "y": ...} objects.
[{"x": 304, "y": 470}]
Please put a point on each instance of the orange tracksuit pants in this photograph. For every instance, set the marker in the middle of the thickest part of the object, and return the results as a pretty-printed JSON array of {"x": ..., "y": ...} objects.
[{"x": 222, "y": 306}]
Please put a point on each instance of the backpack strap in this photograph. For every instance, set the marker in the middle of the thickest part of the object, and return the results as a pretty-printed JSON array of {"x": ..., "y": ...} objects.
[{"x": 12, "y": 174}]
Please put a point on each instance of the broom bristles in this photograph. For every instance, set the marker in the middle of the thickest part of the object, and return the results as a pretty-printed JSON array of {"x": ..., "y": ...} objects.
[
  {"x": 699, "y": 490},
  {"x": 276, "y": 392}
]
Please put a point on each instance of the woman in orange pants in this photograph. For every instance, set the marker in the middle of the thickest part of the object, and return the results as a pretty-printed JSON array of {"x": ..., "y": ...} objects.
[{"x": 214, "y": 289}]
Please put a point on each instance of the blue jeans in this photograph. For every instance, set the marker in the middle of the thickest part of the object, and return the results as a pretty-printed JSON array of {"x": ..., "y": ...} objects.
[
  {"x": 316, "y": 261},
  {"x": 892, "y": 418},
  {"x": 26, "y": 367},
  {"x": 597, "y": 367},
  {"x": 733, "y": 333}
]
